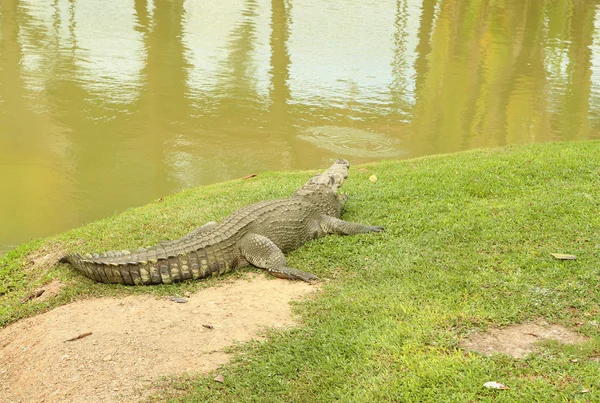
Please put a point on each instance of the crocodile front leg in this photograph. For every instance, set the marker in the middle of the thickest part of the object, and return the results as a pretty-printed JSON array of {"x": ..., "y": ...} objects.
[
  {"x": 261, "y": 252},
  {"x": 332, "y": 225}
]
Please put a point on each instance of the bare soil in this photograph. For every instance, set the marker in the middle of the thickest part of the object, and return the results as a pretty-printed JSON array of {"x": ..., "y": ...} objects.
[
  {"x": 520, "y": 340},
  {"x": 45, "y": 257},
  {"x": 135, "y": 340}
]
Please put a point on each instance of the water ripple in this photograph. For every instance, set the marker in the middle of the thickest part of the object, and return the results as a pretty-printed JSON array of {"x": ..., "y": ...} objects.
[{"x": 351, "y": 141}]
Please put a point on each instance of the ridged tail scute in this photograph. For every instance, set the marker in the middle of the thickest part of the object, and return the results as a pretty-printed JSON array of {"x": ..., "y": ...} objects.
[
  {"x": 156, "y": 265},
  {"x": 105, "y": 269},
  {"x": 104, "y": 272}
]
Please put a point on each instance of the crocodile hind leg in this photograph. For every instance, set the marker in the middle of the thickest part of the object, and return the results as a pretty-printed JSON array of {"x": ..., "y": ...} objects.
[
  {"x": 261, "y": 252},
  {"x": 332, "y": 225}
]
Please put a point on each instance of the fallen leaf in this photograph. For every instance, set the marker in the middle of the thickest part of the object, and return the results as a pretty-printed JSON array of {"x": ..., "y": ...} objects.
[
  {"x": 562, "y": 256},
  {"x": 373, "y": 178},
  {"x": 208, "y": 326},
  {"x": 249, "y": 176},
  {"x": 494, "y": 385},
  {"x": 178, "y": 300},
  {"x": 219, "y": 378},
  {"x": 81, "y": 336}
]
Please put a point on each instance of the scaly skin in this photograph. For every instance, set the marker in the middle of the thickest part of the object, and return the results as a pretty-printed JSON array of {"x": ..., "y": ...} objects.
[{"x": 259, "y": 235}]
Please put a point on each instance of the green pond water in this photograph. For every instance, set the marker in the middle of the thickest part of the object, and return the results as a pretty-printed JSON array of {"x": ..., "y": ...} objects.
[{"x": 108, "y": 105}]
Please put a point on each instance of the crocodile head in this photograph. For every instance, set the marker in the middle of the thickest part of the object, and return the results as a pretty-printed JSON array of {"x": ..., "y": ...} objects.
[
  {"x": 322, "y": 189},
  {"x": 332, "y": 178}
]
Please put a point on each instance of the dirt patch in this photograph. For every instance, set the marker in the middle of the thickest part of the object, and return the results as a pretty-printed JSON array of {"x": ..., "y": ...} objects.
[
  {"x": 135, "y": 340},
  {"x": 46, "y": 292},
  {"x": 50, "y": 290},
  {"x": 520, "y": 340},
  {"x": 45, "y": 257}
]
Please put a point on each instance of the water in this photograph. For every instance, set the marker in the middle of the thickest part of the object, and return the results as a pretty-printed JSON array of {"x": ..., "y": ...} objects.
[{"x": 108, "y": 105}]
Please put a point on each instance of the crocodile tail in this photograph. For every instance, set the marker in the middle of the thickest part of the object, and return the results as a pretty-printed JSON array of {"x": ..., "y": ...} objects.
[
  {"x": 104, "y": 272},
  {"x": 160, "y": 264}
]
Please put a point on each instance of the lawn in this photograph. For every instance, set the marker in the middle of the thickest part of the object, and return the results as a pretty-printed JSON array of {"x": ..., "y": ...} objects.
[{"x": 467, "y": 247}]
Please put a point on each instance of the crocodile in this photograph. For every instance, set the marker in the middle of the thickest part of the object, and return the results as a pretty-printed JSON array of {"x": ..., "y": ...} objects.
[{"x": 257, "y": 235}]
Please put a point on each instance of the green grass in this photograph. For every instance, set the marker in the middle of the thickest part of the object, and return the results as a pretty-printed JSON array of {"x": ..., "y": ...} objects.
[{"x": 467, "y": 246}]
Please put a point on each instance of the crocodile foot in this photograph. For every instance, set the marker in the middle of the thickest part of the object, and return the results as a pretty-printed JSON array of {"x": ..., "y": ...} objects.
[{"x": 293, "y": 274}]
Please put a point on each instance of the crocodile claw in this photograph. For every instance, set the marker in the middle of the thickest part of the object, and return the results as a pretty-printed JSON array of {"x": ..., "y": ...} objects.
[
  {"x": 293, "y": 274},
  {"x": 308, "y": 277}
]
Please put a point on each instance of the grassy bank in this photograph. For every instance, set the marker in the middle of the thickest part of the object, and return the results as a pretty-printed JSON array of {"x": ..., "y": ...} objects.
[{"x": 467, "y": 247}]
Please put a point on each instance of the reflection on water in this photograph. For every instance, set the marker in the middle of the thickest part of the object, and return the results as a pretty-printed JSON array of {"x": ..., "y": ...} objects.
[{"x": 104, "y": 106}]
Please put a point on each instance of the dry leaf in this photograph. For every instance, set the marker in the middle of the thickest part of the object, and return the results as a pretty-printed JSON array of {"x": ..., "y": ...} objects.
[
  {"x": 562, "y": 256},
  {"x": 373, "y": 178},
  {"x": 81, "y": 336},
  {"x": 219, "y": 378},
  {"x": 250, "y": 176},
  {"x": 494, "y": 385}
]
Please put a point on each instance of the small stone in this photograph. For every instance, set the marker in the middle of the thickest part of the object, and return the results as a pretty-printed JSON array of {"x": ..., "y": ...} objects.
[
  {"x": 219, "y": 378},
  {"x": 178, "y": 300},
  {"x": 108, "y": 358}
]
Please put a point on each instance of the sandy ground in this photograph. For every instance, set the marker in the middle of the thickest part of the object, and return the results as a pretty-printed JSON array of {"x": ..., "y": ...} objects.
[
  {"x": 520, "y": 340},
  {"x": 136, "y": 340}
]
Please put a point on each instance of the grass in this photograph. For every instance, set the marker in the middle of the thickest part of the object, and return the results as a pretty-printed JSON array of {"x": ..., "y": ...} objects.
[{"x": 467, "y": 247}]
